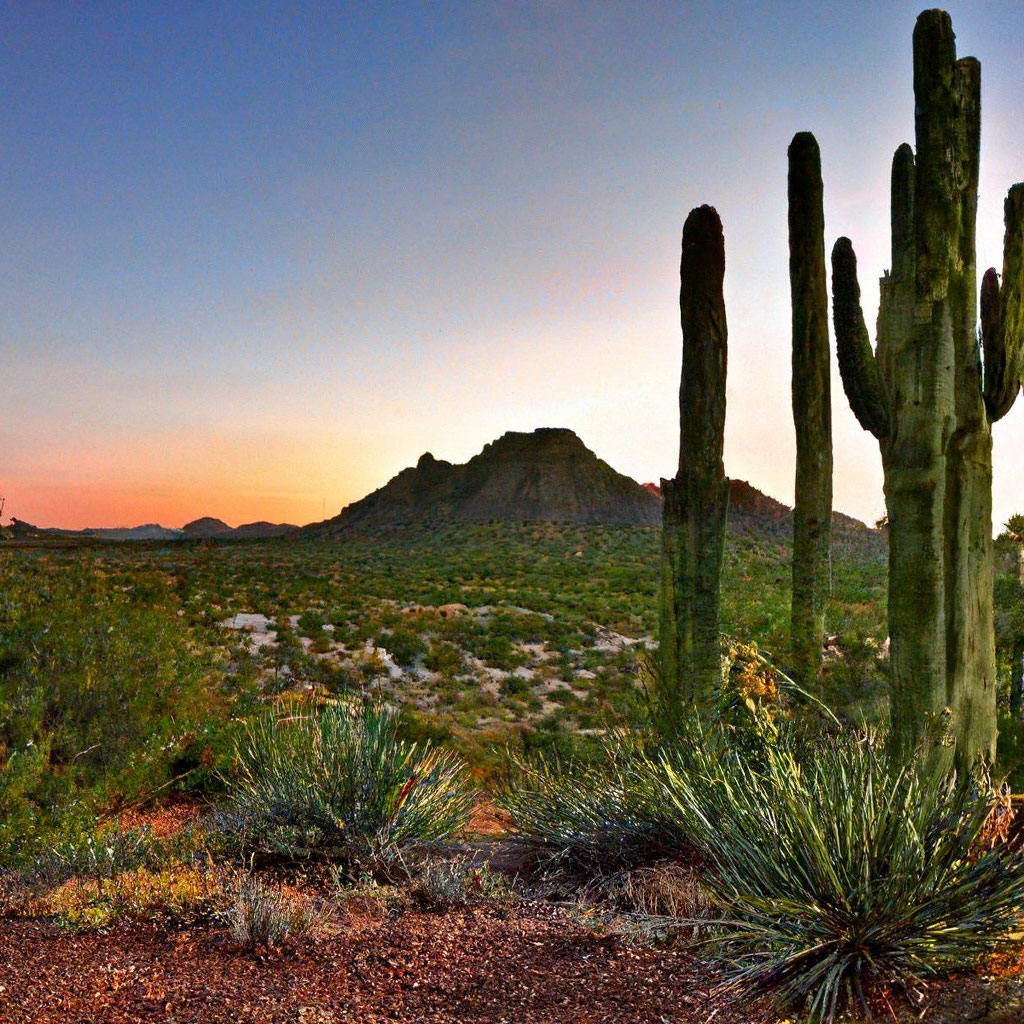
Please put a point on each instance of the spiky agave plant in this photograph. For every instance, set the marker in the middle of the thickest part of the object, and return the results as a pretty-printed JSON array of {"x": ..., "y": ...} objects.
[
  {"x": 845, "y": 868},
  {"x": 596, "y": 816},
  {"x": 340, "y": 782}
]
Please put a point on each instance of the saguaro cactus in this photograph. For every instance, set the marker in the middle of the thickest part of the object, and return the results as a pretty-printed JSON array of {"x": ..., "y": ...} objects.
[
  {"x": 697, "y": 499},
  {"x": 927, "y": 398},
  {"x": 812, "y": 408}
]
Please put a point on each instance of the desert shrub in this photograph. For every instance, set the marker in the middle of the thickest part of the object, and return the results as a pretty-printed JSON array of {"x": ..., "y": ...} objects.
[
  {"x": 404, "y": 646},
  {"x": 364, "y": 893},
  {"x": 100, "y": 696},
  {"x": 264, "y": 915},
  {"x": 179, "y": 892},
  {"x": 601, "y": 814},
  {"x": 338, "y": 781},
  {"x": 497, "y": 650},
  {"x": 445, "y": 658},
  {"x": 831, "y": 866},
  {"x": 515, "y": 686},
  {"x": 99, "y": 853},
  {"x": 550, "y": 739},
  {"x": 310, "y": 624},
  {"x": 424, "y": 730},
  {"x": 444, "y": 884},
  {"x": 838, "y": 867},
  {"x": 666, "y": 889},
  {"x": 663, "y": 901}
]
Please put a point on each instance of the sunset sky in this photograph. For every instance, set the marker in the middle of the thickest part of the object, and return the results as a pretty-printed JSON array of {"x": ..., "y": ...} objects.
[{"x": 258, "y": 257}]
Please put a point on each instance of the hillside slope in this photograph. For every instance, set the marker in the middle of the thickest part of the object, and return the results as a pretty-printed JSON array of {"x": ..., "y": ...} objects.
[{"x": 547, "y": 475}]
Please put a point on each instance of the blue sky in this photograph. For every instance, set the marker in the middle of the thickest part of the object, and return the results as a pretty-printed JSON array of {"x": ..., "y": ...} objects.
[{"x": 258, "y": 257}]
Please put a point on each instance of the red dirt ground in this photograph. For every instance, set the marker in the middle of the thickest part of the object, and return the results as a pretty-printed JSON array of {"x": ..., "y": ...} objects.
[
  {"x": 483, "y": 965},
  {"x": 479, "y": 965},
  {"x": 489, "y": 964}
]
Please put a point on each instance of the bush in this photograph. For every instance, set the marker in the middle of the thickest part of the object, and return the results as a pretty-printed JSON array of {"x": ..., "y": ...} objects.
[
  {"x": 829, "y": 866},
  {"x": 98, "y": 854},
  {"x": 515, "y": 686},
  {"x": 445, "y": 658},
  {"x": 844, "y": 868},
  {"x": 599, "y": 815},
  {"x": 263, "y": 915},
  {"x": 338, "y": 782},
  {"x": 102, "y": 691},
  {"x": 441, "y": 884},
  {"x": 405, "y": 647},
  {"x": 181, "y": 893}
]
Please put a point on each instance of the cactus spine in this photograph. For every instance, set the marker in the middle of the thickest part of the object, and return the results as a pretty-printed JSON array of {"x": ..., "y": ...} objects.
[
  {"x": 924, "y": 395},
  {"x": 812, "y": 408},
  {"x": 697, "y": 499}
]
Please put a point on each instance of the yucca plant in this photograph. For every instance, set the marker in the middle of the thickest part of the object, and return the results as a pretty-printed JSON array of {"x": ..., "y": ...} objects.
[
  {"x": 337, "y": 781},
  {"x": 591, "y": 816},
  {"x": 844, "y": 869}
]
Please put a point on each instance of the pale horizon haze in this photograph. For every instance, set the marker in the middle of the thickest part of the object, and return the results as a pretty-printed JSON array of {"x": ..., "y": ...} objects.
[{"x": 258, "y": 257}]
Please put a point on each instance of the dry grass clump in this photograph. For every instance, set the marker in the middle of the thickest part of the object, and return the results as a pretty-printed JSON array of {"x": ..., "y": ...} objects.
[
  {"x": 668, "y": 889},
  {"x": 264, "y": 915},
  {"x": 448, "y": 883}
]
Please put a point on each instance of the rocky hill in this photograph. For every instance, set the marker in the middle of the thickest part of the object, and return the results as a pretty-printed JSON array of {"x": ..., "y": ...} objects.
[
  {"x": 548, "y": 475},
  {"x": 757, "y": 514},
  {"x": 209, "y": 528}
]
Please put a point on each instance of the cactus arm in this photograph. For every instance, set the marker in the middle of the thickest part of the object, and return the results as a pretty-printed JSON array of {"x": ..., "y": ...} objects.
[
  {"x": 997, "y": 400},
  {"x": 857, "y": 365},
  {"x": 896, "y": 310},
  {"x": 937, "y": 109},
  {"x": 1002, "y": 315},
  {"x": 902, "y": 213}
]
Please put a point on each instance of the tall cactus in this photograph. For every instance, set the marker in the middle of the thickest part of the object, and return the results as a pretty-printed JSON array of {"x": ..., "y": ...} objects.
[
  {"x": 927, "y": 398},
  {"x": 697, "y": 499},
  {"x": 812, "y": 409}
]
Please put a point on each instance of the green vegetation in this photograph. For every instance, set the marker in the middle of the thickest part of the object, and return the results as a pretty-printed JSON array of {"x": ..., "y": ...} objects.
[
  {"x": 832, "y": 868},
  {"x": 338, "y": 781},
  {"x": 837, "y": 867},
  {"x": 117, "y": 677},
  {"x": 264, "y": 915},
  {"x": 104, "y": 696}
]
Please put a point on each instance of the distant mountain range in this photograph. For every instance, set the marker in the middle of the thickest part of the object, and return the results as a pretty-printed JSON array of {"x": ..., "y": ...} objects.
[
  {"x": 548, "y": 475},
  {"x": 754, "y": 513},
  {"x": 206, "y": 528}
]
